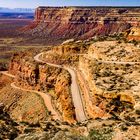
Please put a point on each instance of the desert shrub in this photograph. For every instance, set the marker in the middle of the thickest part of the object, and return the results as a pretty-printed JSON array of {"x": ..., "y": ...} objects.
[
  {"x": 3, "y": 66},
  {"x": 24, "y": 123},
  {"x": 137, "y": 112},
  {"x": 135, "y": 42},
  {"x": 119, "y": 42},
  {"x": 130, "y": 119},
  {"x": 13, "y": 135},
  {"x": 28, "y": 130},
  {"x": 37, "y": 124},
  {"x": 124, "y": 128},
  {"x": 101, "y": 134}
]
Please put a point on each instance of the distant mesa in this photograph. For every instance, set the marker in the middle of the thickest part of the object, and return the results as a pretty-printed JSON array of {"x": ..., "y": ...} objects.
[{"x": 81, "y": 22}]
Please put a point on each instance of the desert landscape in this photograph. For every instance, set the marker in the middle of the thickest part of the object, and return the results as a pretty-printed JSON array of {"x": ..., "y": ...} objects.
[{"x": 70, "y": 73}]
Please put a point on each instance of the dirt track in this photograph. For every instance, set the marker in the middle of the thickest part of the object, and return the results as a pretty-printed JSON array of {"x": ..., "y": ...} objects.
[
  {"x": 46, "y": 97},
  {"x": 76, "y": 96}
]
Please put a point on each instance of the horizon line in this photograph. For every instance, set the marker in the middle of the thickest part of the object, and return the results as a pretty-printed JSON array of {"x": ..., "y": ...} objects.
[
  {"x": 88, "y": 6},
  {"x": 77, "y": 6}
]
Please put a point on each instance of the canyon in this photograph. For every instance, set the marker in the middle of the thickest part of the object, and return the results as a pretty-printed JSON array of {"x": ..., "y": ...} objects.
[
  {"x": 106, "y": 91},
  {"x": 40, "y": 77},
  {"x": 74, "y": 74}
]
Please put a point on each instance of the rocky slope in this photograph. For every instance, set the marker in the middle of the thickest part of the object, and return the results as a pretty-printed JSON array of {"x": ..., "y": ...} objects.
[
  {"x": 55, "y": 130},
  {"x": 66, "y": 53},
  {"x": 101, "y": 82},
  {"x": 58, "y": 23},
  {"x": 21, "y": 105},
  {"x": 4, "y": 81},
  {"x": 112, "y": 107},
  {"x": 114, "y": 51},
  {"x": 133, "y": 33},
  {"x": 38, "y": 76},
  {"x": 111, "y": 72}
]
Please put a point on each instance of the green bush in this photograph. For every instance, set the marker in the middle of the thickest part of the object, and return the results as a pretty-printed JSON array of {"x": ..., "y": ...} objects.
[
  {"x": 101, "y": 134},
  {"x": 137, "y": 112}
]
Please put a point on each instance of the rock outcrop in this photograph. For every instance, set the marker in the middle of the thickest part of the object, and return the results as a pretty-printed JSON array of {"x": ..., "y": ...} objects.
[
  {"x": 67, "y": 53},
  {"x": 114, "y": 51},
  {"x": 111, "y": 71},
  {"x": 42, "y": 77},
  {"x": 133, "y": 34},
  {"x": 57, "y": 23}
]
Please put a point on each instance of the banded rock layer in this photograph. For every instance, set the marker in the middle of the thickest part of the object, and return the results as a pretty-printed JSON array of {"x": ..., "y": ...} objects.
[{"x": 57, "y": 23}]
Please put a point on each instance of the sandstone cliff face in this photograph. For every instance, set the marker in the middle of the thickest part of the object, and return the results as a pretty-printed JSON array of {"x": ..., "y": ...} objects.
[
  {"x": 81, "y": 22},
  {"x": 62, "y": 90},
  {"x": 67, "y": 53},
  {"x": 38, "y": 76},
  {"x": 70, "y": 47},
  {"x": 134, "y": 33}
]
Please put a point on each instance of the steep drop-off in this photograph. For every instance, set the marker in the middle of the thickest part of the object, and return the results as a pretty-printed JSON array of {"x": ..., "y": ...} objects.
[
  {"x": 45, "y": 78},
  {"x": 111, "y": 71},
  {"x": 59, "y": 23}
]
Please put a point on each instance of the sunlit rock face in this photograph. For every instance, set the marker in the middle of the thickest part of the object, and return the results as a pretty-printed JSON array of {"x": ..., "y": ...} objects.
[
  {"x": 44, "y": 78},
  {"x": 110, "y": 71},
  {"x": 134, "y": 33},
  {"x": 81, "y": 22}
]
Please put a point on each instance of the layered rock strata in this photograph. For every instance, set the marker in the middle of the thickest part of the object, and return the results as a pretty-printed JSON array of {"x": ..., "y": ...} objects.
[{"x": 81, "y": 22}]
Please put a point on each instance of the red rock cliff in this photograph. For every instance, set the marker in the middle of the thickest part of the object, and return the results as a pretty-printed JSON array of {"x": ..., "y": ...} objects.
[{"x": 56, "y": 23}]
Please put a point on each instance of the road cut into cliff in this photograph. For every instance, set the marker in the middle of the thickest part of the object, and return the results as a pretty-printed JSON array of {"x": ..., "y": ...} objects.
[{"x": 75, "y": 91}]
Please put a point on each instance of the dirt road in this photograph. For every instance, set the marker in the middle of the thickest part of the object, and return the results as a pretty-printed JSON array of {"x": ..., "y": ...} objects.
[
  {"x": 76, "y": 95},
  {"x": 8, "y": 74},
  {"x": 46, "y": 98}
]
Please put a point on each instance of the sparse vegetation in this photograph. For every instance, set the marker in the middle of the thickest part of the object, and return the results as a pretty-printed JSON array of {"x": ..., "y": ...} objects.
[
  {"x": 101, "y": 134},
  {"x": 138, "y": 112},
  {"x": 105, "y": 61},
  {"x": 29, "y": 107}
]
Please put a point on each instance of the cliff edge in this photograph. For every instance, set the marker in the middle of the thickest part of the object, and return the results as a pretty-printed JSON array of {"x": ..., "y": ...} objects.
[{"x": 60, "y": 23}]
